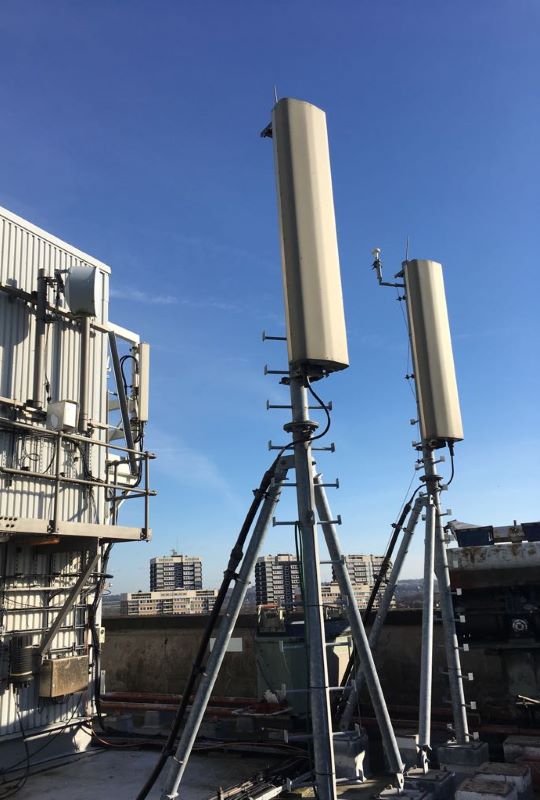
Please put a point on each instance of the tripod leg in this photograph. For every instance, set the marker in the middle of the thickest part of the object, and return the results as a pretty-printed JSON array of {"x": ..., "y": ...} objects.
[
  {"x": 453, "y": 660},
  {"x": 359, "y": 634},
  {"x": 179, "y": 762},
  {"x": 380, "y": 617},
  {"x": 426, "y": 662}
]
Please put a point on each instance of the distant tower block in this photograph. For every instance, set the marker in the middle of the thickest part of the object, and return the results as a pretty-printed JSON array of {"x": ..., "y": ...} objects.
[
  {"x": 316, "y": 334},
  {"x": 435, "y": 375}
]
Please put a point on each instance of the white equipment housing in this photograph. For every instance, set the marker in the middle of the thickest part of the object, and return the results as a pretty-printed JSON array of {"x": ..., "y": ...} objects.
[
  {"x": 62, "y": 416},
  {"x": 433, "y": 360},
  {"x": 83, "y": 290},
  {"x": 316, "y": 334},
  {"x": 142, "y": 379}
]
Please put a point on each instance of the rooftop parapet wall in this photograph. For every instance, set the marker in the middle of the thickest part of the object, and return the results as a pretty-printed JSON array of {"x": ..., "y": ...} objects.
[{"x": 154, "y": 654}]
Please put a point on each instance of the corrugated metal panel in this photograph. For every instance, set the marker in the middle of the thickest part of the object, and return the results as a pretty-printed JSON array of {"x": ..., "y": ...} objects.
[
  {"x": 37, "y": 583},
  {"x": 38, "y": 579},
  {"x": 24, "y": 250}
]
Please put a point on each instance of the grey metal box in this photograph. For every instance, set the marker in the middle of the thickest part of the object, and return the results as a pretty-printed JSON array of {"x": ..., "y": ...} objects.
[{"x": 61, "y": 676}]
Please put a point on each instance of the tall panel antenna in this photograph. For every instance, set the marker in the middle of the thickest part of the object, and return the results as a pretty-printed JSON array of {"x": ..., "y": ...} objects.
[
  {"x": 439, "y": 417},
  {"x": 317, "y": 345},
  {"x": 316, "y": 334}
]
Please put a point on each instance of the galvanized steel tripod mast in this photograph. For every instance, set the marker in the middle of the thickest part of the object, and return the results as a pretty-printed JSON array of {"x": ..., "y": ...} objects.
[
  {"x": 439, "y": 418},
  {"x": 317, "y": 346}
]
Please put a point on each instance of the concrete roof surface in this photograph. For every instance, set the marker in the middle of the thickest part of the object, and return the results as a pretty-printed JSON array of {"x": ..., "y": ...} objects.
[{"x": 120, "y": 775}]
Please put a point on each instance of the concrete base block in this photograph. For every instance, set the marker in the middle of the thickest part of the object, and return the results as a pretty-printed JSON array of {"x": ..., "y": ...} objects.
[
  {"x": 534, "y": 765},
  {"x": 124, "y": 723},
  {"x": 439, "y": 783},
  {"x": 349, "y": 754},
  {"x": 151, "y": 720},
  {"x": 227, "y": 728},
  {"x": 521, "y": 747},
  {"x": 519, "y": 775},
  {"x": 482, "y": 789},
  {"x": 246, "y": 725},
  {"x": 407, "y": 742},
  {"x": 403, "y": 794},
  {"x": 463, "y": 759}
]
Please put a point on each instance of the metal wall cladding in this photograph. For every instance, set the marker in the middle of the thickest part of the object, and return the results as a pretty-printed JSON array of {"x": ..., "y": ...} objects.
[
  {"x": 24, "y": 249},
  {"x": 37, "y": 581},
  {"x": 38, "y": 578}
]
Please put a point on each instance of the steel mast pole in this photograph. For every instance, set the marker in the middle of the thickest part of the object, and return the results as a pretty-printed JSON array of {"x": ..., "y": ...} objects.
[
  {"x": 426, "y": 657},
  {"x": 434, "y": 304},
  {"x": 455, "y": 676},
  {"x": 302, "y": 429}
]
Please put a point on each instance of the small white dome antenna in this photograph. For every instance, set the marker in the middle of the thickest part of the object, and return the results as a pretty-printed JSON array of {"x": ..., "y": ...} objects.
[{"x": 377, "y": 263}]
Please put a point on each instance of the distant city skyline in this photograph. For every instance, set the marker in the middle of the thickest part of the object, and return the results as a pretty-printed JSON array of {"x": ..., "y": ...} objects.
[{"x": 176, "y": 584}]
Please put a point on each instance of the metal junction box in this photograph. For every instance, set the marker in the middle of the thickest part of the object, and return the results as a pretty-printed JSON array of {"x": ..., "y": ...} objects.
[{"x": 62, "y": 676}]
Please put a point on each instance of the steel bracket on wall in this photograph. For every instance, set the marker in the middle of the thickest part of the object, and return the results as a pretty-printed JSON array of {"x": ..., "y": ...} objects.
[{"x": 87, "y": 570}]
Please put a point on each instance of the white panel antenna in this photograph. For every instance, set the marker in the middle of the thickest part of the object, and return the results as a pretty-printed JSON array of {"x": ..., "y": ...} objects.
[
  {"x": 439, "y": 418},
  {"x": 142, "y": 379},
  {"x": 316, "y": 333},
  {"x": 431, "y": 344}
]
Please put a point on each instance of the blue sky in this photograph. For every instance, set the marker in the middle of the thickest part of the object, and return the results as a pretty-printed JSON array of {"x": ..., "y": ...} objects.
[{"x": 131, "y": 130}]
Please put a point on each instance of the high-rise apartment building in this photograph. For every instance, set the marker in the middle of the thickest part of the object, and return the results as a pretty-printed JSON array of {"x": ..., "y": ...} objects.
[
  {"x": 277, "y": 579},
  {"x": 175, "y": 572},
  {"x": 363, "y": 569}
]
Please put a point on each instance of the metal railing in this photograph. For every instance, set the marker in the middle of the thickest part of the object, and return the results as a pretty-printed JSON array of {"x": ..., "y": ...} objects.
[{"x": 115, "y": 489}]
